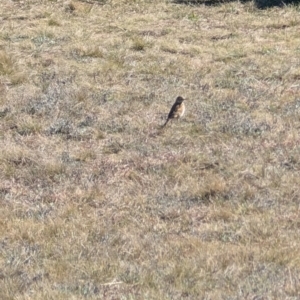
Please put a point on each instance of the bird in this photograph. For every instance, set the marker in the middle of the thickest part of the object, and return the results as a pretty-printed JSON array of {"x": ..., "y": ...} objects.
[{"x": 177, "y": 110}]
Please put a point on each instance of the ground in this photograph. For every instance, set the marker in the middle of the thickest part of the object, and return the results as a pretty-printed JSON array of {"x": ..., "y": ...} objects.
[{"x": 98, "y": 202}]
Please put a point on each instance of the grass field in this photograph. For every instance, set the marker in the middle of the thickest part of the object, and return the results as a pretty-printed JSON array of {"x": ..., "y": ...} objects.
[{"x": 97, "y": 202}]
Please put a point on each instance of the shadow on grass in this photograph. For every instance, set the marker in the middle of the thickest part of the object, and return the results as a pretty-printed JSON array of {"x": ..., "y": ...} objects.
[
  {"x": 206, "y": 2},
  {"x": 261, "y": 4}
]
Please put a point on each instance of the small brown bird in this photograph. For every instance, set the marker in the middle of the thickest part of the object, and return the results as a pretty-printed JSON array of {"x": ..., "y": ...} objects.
[{"x": 177, "y": 110}]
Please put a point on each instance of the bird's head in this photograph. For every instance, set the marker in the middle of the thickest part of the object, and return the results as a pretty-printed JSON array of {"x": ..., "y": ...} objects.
[{"x": 179, "y": 100}]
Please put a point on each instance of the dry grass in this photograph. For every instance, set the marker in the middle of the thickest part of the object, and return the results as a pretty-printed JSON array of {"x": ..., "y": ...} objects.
[{"x": 97, "y": 202}]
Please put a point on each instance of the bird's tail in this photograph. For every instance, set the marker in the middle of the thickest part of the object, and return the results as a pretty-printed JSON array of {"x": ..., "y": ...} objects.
[{"x": 166, "y": 123}]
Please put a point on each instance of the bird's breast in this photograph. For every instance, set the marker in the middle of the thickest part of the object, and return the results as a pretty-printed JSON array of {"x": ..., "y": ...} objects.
[{"x": 182, "y": 110}]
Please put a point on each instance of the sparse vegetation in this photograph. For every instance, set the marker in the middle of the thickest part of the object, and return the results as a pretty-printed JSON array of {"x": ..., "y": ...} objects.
[{"x": 97, "y": 202}]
